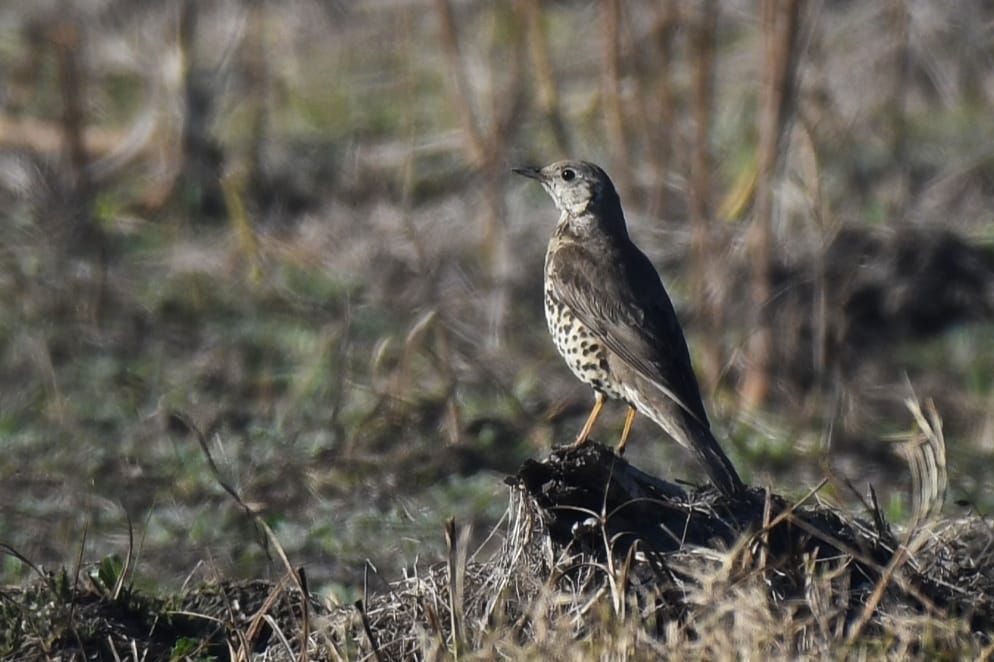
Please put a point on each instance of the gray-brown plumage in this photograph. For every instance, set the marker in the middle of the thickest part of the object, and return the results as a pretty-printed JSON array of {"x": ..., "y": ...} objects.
[{"x": 613, "y": 322}]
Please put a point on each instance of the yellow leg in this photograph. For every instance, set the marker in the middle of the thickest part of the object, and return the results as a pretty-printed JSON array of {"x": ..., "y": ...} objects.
[
  {"x": 589, "y": 425},
  {"x": 625, "y": 431}
]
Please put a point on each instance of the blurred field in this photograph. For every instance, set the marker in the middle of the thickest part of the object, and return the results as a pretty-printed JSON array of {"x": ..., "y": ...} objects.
[{"x": 292, "y": 227}]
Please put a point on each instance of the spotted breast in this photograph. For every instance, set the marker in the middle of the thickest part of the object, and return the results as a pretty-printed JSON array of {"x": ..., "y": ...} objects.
[{"x": 584, "y": 354}]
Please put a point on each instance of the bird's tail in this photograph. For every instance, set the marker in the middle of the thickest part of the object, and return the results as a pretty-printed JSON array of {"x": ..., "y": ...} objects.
[{"x": 716, "y": 463}]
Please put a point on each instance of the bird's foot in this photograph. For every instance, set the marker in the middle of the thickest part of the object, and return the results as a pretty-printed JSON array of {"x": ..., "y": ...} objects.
[
  {"x": 580, "y": 442},
  {"x": 627, "y": 430}
]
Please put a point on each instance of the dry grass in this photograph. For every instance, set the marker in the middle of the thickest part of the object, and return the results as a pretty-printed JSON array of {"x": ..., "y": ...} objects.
[
  {"x": 801, "y": 581},
  {"x": 530, "y": 600}
]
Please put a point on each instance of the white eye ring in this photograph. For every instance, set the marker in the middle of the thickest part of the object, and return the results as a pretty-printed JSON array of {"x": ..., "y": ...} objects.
[{"x": 567, "y": 174}]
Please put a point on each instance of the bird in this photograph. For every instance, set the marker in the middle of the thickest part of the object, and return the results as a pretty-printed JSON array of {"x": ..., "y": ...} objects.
[{"x": 613, "y": 322}]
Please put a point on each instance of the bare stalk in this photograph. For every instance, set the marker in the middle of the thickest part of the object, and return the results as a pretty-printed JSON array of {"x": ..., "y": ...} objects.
[
  {"x": 67, "y": 38},
  {"x": 898, "y": 103},
  {"x": 706, "y": 291},
  {"x": 256, "y": 58},
  {"x": 614, "y": 116},
  {"x": 780, "y": 26},
  {"x": 545, "y": 80},
  {"x": 202, "y": 159},
  {"x": 661, "y": 130},
  {"x": 458, "y": 87}
]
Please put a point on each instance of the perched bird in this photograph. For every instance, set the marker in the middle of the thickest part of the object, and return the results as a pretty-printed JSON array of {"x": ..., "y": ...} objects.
[{"x": 613, "y": 322}]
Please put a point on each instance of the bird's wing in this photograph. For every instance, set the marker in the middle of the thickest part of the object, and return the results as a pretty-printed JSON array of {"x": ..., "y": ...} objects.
[{"x": 624, "y": 304}]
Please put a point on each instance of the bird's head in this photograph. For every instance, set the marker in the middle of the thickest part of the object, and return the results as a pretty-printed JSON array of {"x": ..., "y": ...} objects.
[{"x": 577, "y": 187}]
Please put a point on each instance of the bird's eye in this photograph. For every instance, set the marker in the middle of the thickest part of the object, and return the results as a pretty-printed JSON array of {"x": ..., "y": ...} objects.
[{"x": 567, "y": 174}]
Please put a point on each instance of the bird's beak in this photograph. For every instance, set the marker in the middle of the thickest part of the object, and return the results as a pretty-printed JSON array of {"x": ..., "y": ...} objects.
[{"x": 531, "y": 173}]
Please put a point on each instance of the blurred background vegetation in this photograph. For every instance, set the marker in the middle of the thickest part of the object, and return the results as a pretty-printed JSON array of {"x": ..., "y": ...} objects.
[{"x": 291, "y": 228}]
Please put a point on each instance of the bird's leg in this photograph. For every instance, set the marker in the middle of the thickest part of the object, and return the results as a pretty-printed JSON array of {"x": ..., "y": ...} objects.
[
  {"x": 625, "y": 431},
  {"x": 589, "y": 425}
]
